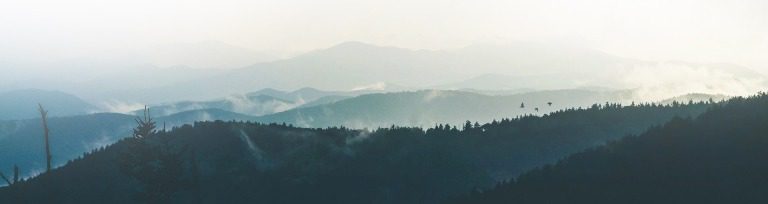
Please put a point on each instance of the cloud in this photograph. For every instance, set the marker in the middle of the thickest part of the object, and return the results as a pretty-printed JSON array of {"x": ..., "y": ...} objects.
[
  {"x": 361, "y": 136},
  {"x": 116, "y": 106},
  {"x": 658, "y": 81},
  {"x": 435, "y": 94},
  {"x": 205, "y": 116},
  {"x": 102, "y": 141},
  {"x": 378, "y": 86},
  {"x": 252, "y": 148},
  {"x": 246, "y": 105}
]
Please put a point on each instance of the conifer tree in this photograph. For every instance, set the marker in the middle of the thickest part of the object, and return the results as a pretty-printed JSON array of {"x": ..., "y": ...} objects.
[{"x": 146, "y": 127}]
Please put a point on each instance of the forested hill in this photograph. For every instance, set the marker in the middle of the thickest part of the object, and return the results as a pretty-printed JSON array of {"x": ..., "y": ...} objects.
[
  {"x": 236, "y": 162},
  {"x": 22, "y": 104},
  {"x": 719, "y": 157},
  {"x": 428, "y": 107}
]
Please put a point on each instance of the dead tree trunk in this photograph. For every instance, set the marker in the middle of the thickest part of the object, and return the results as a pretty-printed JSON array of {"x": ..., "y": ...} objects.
[
  {"x": 48, "y": 157},
  {"x": 16, "y": 178},
  {"x": 15, "y": 174},
  {"x": 6, "y": 179}
]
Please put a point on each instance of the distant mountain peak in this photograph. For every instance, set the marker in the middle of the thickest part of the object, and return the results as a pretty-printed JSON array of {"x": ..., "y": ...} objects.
[
  {"x": 357, "y": 46},
  {"x": 21, "y": 104},
  {"x": 353, "y": 44},
  {"x": 306, "y": 89}
]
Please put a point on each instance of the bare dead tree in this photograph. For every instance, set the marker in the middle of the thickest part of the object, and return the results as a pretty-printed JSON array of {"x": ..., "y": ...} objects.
[
  {"x": 6, "y": 179},
  {"x": 48, "y": 157},
  {"x": 15, "y": 176}
]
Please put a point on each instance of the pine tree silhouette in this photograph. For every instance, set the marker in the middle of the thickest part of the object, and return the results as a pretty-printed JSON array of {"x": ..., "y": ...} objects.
[
  {"x": 146, "y": 127},
  {"x": 152, "y": 160}
]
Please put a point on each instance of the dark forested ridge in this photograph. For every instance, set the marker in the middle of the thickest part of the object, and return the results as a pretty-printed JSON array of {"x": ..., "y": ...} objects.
[
  {"x": 719, "y": 157},
  {"x": 236, "y": 162}
]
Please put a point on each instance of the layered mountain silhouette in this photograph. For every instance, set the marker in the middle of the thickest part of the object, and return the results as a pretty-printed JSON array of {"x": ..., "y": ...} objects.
[
  {"x": 74, "y": 135},
  {"x": 360, "y": 66},
  {"x": 261, "y": 102},
  {"x": 429, "y": 107},
  {"x": 240, "y": 162},
  {"x": 308, "y": 107}
]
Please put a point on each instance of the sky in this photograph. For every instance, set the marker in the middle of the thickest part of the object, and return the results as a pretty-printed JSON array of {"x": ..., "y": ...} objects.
[{"x": 697, "y": 31}]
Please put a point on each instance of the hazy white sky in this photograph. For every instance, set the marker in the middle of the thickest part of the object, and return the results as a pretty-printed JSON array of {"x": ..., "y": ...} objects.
[{"x": 734, "y": 31}]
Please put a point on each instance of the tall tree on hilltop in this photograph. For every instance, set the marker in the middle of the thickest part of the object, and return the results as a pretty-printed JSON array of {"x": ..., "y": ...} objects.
[
  {"x": 152, "y": 160},
  {"x": 146, "y": 127}
]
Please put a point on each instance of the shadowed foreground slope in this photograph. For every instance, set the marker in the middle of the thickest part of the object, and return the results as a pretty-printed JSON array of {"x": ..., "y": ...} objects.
[{"x": 719, "y": 157}]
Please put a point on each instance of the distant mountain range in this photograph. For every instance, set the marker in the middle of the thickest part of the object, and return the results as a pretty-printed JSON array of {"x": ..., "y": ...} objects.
[
  {"x": 357, "y": 66},
  {"x": 518, "y": 66},
  {"x": 314, "y": 108},
  {"x": 22, "y": 104},
  {"x": 430, "y": 107},
  {"x": 251, "y": 105},
  {"x": 262, "y": 102},
  {"x": 366, "y": 108}
]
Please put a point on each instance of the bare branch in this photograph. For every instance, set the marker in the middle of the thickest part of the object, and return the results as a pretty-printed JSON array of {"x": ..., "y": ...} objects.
[
  {"x": 5, "y": 178},
  {"x": 44, "y": 116}
]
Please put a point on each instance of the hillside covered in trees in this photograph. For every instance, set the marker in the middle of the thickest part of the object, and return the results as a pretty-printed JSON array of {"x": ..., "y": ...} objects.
[
  {"x": 428, "y": 107},
  {"x": 236, "y": 162},
  {"x": 21, "y": 141},
  {"x": 719, "y": 157}
]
